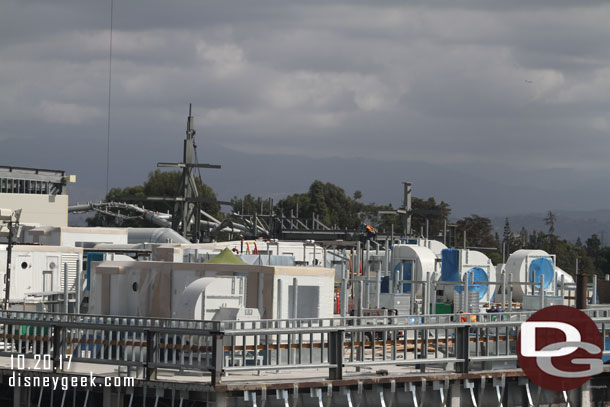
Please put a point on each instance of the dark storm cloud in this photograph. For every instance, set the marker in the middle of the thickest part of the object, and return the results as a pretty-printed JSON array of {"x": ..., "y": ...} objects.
[{"x": 489, "y": 87}]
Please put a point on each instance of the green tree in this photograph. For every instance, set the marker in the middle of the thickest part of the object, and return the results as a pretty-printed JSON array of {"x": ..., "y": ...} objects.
[
  {"x": 507, "y": 234},
  {"x": 249, "y": 205},
  {"x": 159, "y": 183},
  {"x": 436, "y": 222},
  {"x": 326, "y": 201},
  {"x": 479, "y": 231}
]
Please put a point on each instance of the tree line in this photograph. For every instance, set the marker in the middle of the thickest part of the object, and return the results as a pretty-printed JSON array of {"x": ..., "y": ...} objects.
[{"x": 336, "y": 209}]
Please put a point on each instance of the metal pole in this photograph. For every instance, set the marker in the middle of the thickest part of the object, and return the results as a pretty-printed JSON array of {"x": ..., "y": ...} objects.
[
  {"x": 367, "y": 270},
  {"x": 78, "y": 287},
  {"x": 581, "y": 291},
  {"x": 343, "y": 299},
  {"x": 295, "y": 295},
  {"x": 360, "y": 290},
  {"x": 541, "y": 290},
  {"x": 504, "y": 291},
  {"x": 563, "y": 290},
  {"x": 433, "y": 294},
  {"x": 260, "y": 293},
  {"x": 407, "y": 206},
  {"x": 427, "y": 294},
  {"x": 378, "y": 290},
  {"x": 279, "y": 300},
  {"x": 7, "y": 278},
  {"x": 464, "y": 239},
  {"x": 445, "y": 231},
  {"x": 427, "y": 230},
  {"x": 387, "y": 257},
  {"x": 268, "y": 255},
  {"x": 510, "y": 292},
  {"x": 358, "y": 254},
  {"x": 465, "y": 293},
  {"x": 66, "y": 288},
  {"x": 594, "y": 299}
]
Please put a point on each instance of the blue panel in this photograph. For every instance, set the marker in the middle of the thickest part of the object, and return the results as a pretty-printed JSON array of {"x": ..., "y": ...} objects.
[
  {"x": 405, "y": 273},
  {"x": 91, "y": 256},
  {"x": 542, "y": 267},
  {"x": 385, "y": 285},
  {"x": 450, "y": 265},
  {"x": 478, "y": 275}
]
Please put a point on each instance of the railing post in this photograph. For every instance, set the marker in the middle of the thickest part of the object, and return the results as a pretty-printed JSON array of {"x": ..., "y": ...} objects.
[
  {"x": 336, "y": 340},
  {"x": 218, "y": 351},
  {"x": 151, "y": 349},
  {"x": 462, "y": 342},
  {"x": 57, "y": 351}
]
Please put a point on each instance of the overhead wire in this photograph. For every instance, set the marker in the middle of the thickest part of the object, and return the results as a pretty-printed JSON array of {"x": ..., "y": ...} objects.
[{"x": 109, "y": 99}]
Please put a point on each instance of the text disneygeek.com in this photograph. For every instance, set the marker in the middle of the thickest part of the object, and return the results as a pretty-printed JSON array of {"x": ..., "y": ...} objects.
[{"x": 22, "y": 375}]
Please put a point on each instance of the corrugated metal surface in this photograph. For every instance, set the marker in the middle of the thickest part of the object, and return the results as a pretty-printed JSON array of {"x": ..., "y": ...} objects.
[{"x": 71, "y": 259}]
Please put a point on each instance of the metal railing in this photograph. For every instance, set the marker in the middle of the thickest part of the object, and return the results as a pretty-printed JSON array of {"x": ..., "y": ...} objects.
[{"x": 458, "y": 342}]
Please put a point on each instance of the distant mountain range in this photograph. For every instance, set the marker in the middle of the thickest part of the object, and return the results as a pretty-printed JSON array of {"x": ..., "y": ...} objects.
[
  {"x": 486, "y": 189},
  {"x": 569, "y": 225}
]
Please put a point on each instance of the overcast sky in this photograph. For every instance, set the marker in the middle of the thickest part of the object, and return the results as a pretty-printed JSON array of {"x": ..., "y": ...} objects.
[{"x": 496, "y": 89}]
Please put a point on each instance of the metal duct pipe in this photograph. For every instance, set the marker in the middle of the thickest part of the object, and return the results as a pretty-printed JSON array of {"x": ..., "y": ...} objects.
[{"x": 154, "y": 235}]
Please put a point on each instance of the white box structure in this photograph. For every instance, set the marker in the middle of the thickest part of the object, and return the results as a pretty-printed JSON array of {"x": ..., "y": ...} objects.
[
  {"x": 156, "y": 289},
  {"x": 38, "y": 269},
  {"x": 75, "y": 236}
]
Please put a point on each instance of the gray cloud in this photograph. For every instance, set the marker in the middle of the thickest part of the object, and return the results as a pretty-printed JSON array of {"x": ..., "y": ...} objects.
[{"x": 489, "y": 87}]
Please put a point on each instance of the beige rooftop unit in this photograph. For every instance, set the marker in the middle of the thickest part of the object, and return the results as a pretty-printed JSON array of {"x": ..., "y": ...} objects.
[
  {"x": 40, "y": 194},
  {"x": 157, "y": 289},
  {"x": 75, "y": 236}
]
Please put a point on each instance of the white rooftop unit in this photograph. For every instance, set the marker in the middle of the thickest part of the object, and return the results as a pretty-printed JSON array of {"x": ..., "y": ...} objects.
[
  {"x": 463, "y": 264},
  {"x": 39, "y": 269},
  {"x": 411, "y": 262},
  {"x": 205, "y": 297},
  {"x": 85, "y": 237},
  {"x": 159, "y": 288},
  {"x": 525, "y": 266}
]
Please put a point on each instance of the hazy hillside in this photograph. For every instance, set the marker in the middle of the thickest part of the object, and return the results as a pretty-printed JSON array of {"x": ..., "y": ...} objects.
[{"x": 569, "y": 225}]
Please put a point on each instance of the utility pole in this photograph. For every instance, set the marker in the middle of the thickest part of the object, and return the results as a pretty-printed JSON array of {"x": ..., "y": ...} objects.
[
  {"x": 12, "y": 224},
  {"x": 406, "y": 203},
  {"x": 186, "y": 218}
]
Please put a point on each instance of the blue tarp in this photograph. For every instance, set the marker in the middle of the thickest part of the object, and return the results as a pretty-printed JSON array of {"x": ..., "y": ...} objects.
[
  {"x": 478, "y": 275},
  {"x": 542, "y": 266},
  {"x": 450, "y": 266}
]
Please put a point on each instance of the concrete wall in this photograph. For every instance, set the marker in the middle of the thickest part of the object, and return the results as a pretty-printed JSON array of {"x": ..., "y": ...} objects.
[{"x": 51, "y": 210}]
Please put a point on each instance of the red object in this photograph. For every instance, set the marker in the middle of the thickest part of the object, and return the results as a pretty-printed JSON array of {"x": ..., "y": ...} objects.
[
  {"x": 556, "y": 318},
  {"x": 337, "y": 301}
]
